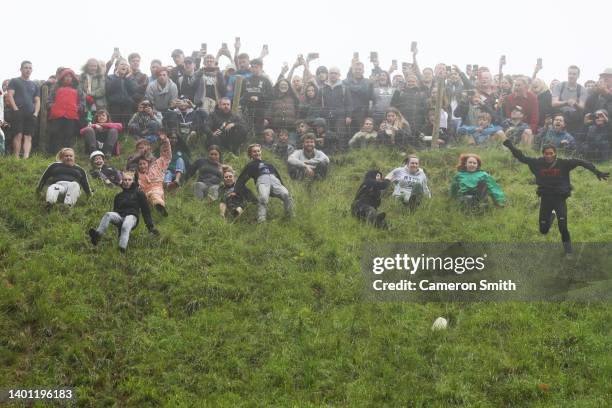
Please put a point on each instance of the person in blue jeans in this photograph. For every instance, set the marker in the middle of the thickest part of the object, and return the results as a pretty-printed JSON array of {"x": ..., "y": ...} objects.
[{"x": 483, "y": 133}]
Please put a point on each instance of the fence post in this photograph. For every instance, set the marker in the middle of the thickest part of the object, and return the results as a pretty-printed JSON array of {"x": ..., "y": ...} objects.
[{"x": 42, "y": 118}]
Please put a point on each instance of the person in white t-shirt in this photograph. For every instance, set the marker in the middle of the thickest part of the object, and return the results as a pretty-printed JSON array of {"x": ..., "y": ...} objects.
[{"x": 410, "y": 183}]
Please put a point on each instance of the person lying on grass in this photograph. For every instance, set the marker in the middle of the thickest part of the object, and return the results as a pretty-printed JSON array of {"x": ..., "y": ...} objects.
[
  {"x": 151, "y": 175},
  {"x": 367, "y": 199},
  {"x": 471, "y": 185},
  {"x": 127, "y": 206},
  {"x": 553, "y": 180},
  {"x": 268, "y": 182},
  {"x": 66, "y": 178}
]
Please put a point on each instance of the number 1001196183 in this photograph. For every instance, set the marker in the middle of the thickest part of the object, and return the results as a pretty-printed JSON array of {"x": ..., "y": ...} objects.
[{"x": 36, "y": 394}]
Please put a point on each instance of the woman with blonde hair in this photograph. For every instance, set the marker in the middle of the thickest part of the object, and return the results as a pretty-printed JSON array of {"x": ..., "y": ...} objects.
[
  {"x": 66, "y": 178},
  {"x": 92, "y": 83},
  {"x": 394, "y": 130},
  {"x": 539, "y": 88}
]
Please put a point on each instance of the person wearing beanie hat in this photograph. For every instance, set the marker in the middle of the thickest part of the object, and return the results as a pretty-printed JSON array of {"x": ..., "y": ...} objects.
[
  {"x": 66, "y": 103},
  {"x": 321, "y": 75},
  {"x": 596, "y": 144},
  {"x": 100, "y": 170},
  {"x": 127, "y": 207}
]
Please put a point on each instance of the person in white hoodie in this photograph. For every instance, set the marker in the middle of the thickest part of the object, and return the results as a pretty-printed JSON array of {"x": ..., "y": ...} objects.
[
  {"x": 308, "y": 162},
  {"x": 410, "y": 183}
]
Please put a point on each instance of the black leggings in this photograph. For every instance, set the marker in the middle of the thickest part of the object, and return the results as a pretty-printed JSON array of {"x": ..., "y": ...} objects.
[{"x": 547, "y": 205}]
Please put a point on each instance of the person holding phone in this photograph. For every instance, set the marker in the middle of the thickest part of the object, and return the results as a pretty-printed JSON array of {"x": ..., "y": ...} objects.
[{"x": 361, "y": 94}]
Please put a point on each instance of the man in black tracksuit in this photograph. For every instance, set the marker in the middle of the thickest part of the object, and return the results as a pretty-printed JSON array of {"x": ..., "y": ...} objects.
[
  {"x": 256, "y": 97},
  {"x": 553, "y": 180},
  {"x": 127, "y": 207},
  {"x": 367, "y": 199}
]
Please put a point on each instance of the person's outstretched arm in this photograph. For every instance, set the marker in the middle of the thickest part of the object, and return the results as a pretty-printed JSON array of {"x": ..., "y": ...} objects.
[
  {"x": 589, "y": 166},
  {"x": 518, "y": 153}
]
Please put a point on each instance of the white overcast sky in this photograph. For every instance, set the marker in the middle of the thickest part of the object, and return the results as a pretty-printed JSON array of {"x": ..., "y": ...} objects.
[{"x": 67, "y": 33}]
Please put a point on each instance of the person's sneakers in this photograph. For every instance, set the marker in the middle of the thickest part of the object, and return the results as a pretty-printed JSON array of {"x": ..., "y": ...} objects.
[
  {"x": 122, "y": 250},
  {"x": 94, "y": 236},
  {"x": 567, "y": 247},
  {"x": 162, "y": 210}
]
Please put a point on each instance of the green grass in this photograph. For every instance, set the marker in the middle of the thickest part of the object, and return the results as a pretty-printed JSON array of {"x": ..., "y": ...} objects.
[{"x": 238, "y": 314}]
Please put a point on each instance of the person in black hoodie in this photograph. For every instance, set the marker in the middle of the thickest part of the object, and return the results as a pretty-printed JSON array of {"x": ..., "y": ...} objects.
[
  {"x": 256, "y": 97},
  {"x": 228, "y": 129},
  {"x": 66, "y": 179},
  {"x": 553, "y": 180},
  {"x": 127, "y": 207},
  {"x": 210, "y": 174},
  {"x": 268, "y": 182},
  {"x": 367, "y": 199}
]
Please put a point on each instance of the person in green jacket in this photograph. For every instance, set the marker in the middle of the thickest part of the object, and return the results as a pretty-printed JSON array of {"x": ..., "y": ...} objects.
[{"x": 472, "y": 186}]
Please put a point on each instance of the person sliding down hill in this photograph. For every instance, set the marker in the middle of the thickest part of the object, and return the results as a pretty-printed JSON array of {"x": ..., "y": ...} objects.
[
  {"x": 367, "y": 199},
  {"x": 127, "y": 207},
  {"x": 553, "y": 180},
  {"x": 472, "y": 186},
  {"x": 268, "y": 182},
  {"x": 66, "y": 178},
  {"x": 151, "y": 175}
]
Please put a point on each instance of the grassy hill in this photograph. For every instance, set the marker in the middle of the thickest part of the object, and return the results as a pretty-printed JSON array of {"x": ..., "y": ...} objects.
[{"x": 238, "y": 314}]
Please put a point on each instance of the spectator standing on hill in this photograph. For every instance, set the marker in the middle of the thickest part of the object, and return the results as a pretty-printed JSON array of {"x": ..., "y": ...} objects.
[
  {"x": 24, "y": 103},
  {"x": 66, "y": 104}
]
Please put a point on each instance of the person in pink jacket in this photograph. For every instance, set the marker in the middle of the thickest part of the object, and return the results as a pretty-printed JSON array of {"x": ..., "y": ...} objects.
[
  {"x": 151, "y": 175},
  {"x": 102, "y": 134}
]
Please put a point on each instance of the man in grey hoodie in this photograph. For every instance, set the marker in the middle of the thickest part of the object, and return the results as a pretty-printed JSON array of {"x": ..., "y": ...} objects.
[
  {"x": 308, "y": 162},
  {"x": 162, "y": 92}
]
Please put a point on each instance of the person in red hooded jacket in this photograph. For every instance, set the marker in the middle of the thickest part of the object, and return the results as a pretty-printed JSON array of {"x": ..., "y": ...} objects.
[{"x": 66, "y": 103}]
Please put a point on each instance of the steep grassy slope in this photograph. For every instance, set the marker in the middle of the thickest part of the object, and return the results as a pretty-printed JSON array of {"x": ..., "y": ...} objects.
[{"x": 239, "y": 314}]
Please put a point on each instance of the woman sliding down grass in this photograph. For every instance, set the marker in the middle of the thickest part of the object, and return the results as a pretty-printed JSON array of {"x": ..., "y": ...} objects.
[
  {"x": 553, "y": 180},
  {"x": 472, "y": 186},
  {"x": 410, "y": 183},
  {"x": 66, "y": 179},
  {"x": 367, "y": 199}
]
